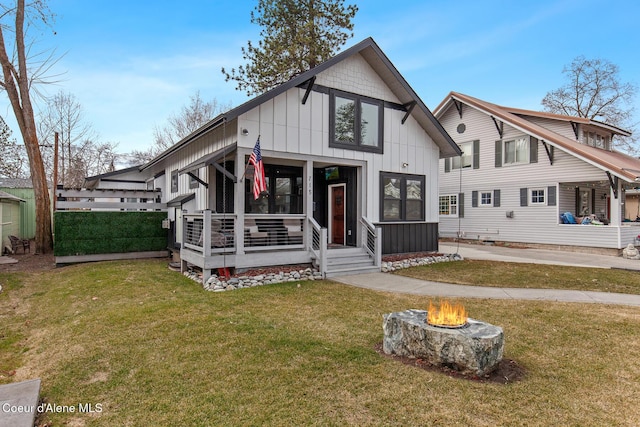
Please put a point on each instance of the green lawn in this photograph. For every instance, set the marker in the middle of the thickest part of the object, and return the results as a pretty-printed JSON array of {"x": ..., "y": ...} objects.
[
  {"x": 152, "y": 348},
  {"x": 520, "y": 275}
]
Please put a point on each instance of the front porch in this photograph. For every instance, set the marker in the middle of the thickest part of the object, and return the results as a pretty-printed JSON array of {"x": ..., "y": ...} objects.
[{"x": 213, "y": 241}]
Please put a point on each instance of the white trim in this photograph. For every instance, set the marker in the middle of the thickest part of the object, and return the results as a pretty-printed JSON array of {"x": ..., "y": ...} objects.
[
  {"x": 330, "y": 219},
  {"x": 544, "y": 195}
]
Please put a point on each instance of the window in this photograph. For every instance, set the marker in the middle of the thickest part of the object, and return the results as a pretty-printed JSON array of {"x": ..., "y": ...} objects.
[
  {"x": 356, "y": 122},
  {"x": 596, "y": 140},
  {"x": 485, "y": 198},
  {"x": 402, "y": 197},
  {"x": 465, "y": 160},
  {"x": 193, "y": 183},
  {"x": 516, "y": 151},
  {"x": 448, "y": 205},
  {"x": 537, "y": 196},
  {"x": 174, "y": 181},
  {"x": 284, "y": 185}
]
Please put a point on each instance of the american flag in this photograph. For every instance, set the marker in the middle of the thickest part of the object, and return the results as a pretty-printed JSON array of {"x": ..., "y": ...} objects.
[{"x": 259, "y": 182}]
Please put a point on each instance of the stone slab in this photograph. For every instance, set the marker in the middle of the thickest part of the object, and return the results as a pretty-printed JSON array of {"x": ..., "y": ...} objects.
[{"x": 18, "y": 403}]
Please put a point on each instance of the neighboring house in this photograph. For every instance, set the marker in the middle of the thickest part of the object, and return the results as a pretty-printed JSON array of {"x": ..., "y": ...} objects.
[
  {"x": 522, "y": 170},
  {"x": 22, "y": 189},
  {"x": 350, "y": 157},
  {"x": 10, "y": 207}
]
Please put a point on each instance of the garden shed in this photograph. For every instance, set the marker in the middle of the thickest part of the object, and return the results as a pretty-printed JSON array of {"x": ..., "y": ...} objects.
[{"x": 9, "y": 218}]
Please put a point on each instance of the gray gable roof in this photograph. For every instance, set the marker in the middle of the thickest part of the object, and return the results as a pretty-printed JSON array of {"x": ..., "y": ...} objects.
[
  {"x": 15, "y": 183},
  {"x": 378, "y": 61}
]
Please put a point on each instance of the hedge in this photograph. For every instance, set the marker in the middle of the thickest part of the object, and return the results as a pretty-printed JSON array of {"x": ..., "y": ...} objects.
[{"x": 90, "y": 232}]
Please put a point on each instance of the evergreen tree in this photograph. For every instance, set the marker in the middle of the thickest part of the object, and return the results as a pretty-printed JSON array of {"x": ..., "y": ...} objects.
[{"x": 297, "y": 35}]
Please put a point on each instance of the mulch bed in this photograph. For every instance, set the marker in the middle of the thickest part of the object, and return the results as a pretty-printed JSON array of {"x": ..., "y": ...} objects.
[{"x": 507, "y": 372}]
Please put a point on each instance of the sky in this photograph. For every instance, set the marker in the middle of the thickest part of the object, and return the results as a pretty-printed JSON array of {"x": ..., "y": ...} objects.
[{"x": 131, "y": 64}]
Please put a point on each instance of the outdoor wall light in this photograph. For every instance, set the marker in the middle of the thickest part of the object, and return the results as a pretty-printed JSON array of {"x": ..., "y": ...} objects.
[
  {"x": 245, "y": 132},
  {"x": 405, "y": 164}
]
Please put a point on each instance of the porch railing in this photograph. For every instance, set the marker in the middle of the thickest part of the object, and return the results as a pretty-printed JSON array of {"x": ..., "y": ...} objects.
[
  {"x": 318, "y": 244},
  {"x": 372, "y": 240},
  {"x": 269, "y": 232},
  {"x": 220, "y": 239}
]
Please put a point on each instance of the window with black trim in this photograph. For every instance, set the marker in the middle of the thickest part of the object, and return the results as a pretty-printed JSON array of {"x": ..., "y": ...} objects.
[
  {"x": 356, "y": 122},
  {"x": 284, "y": 187},
  {"x": 402, "y": 197},
  {"x": 193, "y": 183},
  {"x": 174, "y": 181}
]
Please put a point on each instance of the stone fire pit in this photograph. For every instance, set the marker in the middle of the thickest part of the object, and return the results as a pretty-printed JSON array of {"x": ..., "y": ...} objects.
[{"x": 475, "y": 348}]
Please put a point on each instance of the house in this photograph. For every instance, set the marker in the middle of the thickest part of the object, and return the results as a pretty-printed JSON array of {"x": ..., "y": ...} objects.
[
  {"x": 523, "y": 174},
  {"x": 350, "y": 156},
  {"x": 23, "y": 189},
  {"x": 10, "y": 207}
]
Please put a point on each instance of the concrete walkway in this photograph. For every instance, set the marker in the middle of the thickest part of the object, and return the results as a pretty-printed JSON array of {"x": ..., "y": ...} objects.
[
  {"x": 18, "y": 403},
  {"x": 395, "y": 283}
]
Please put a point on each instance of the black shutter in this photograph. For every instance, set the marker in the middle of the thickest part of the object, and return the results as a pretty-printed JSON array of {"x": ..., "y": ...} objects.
[
  {"x": 474, "y": 199},
  {"x": 551, "y": 195},
  {"x": 461, "y": 205},
  {"x": 533, "y": 150},
  {"x": 496, "y": 198},
  {"x": 499, "y": 153},
  {"x": 447, "y": 165},
  {"x": 476, "y": 154},
  {"x": 524, "y": 193},
  {"x": 593, "y": 200}
]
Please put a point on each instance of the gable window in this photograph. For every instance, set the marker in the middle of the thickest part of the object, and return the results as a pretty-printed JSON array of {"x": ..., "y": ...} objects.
[
  {"x": 402, "y": 197},
  {"x": 516, "y": 151},
  {"x": 596, "y": 140},
  {"x": 174, "y": 181},
  {"x": 448, "y": 205},
  {"x": 355, "y": 122},
  {"x": 537, "y": 196}
]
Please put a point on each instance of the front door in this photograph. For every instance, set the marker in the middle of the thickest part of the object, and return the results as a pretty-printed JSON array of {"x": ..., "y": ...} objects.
[{"x": 337, "y": 212}]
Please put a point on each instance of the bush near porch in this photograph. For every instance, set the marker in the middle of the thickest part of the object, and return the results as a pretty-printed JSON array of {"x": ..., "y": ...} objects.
[{"x": 91, "y": 232}]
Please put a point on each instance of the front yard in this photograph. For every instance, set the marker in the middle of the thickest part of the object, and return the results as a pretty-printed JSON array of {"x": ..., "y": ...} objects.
[{"x": 152, "y": 348}]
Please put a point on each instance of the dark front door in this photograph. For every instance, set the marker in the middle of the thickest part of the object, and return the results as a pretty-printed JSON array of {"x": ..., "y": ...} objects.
[{"x": 337, "y": 214}]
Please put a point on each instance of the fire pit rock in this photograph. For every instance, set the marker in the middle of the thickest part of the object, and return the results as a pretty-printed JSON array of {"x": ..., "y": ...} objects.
[{"x": 473, "y": 349}]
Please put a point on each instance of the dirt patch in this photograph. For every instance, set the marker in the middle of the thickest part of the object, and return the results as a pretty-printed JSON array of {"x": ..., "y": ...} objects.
[
  {"x": 508, "y": 371},
  {"x": 29, "y": 262}
]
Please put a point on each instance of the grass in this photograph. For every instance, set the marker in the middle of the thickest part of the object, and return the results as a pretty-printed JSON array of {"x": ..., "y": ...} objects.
[
  {"x": 152, "y": 348},
  {"x": 520, "y": 275}
]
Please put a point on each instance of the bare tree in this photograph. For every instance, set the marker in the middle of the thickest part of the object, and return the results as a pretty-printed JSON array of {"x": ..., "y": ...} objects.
[
  {"x": 594, "y": 90},
  {"x": 188, "y": 120},
  {"x": 18, "y": 78},
  {"x": 80, "y": 154},
  {"x": 13, "y": 158}
]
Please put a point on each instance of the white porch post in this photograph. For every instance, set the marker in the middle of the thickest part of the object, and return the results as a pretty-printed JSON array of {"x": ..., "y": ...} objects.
[
  {"x": 206, "y": 243},
  {"x": 239, "y": 201},
  {"x": 308, "y": 201},
  {"x": 616, "y": 205}
]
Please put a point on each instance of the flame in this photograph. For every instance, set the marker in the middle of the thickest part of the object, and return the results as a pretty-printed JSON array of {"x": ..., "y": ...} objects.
[{"x": 450, "y": 315}]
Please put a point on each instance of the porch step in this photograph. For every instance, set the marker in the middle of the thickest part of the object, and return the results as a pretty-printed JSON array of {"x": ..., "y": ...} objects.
[{"x": 342, "y": 262}]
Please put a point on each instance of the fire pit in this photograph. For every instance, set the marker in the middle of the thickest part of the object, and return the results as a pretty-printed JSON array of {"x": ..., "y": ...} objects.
[{"x": 470, "y": 347}]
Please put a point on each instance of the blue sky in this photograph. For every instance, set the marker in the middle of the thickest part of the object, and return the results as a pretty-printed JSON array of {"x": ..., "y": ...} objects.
[{"x": 131, "y": 64}]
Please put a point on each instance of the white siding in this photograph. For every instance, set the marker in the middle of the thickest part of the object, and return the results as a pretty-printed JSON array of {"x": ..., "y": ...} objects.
[{"x": 534, "y": 224}]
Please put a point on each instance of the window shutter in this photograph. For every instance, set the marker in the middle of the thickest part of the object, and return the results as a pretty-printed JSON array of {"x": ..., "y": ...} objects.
[
  {"x": 474, "y": 199},
  {"x": 524, "y": 193},
  {"x": 533, "y": 150},
  {"x": 461, "y": 205},
  {"x": 499, "y": 153},
  {"x": 551, "y": 196},
  {"x": 496, "y": 198},
  {"x": 476, "y": 154},
  {"x": 447, "y": 165}
]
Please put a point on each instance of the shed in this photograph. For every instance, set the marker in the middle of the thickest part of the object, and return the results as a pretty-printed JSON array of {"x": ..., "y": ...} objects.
[
  {"x": 9, "y": 217},
  {"x": 22, "y": 188}
]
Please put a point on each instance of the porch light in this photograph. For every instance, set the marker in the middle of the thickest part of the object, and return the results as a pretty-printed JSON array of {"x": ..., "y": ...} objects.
[{"x": 245, "y": 131}]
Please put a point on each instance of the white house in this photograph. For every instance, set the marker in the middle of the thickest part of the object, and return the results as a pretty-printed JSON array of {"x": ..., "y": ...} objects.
[
  {"x": 522, "y": 170},
  {"x": 350, "y": 156}
]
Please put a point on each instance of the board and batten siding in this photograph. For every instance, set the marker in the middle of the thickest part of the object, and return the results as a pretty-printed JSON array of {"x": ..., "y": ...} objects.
[
  {"x": 208, "y": 143},
  {"x": 289, "y": 128},
  {"x": 535, "y": 224}
]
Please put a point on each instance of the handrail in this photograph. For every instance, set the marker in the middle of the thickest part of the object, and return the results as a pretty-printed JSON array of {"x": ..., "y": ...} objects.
[
  {"x": 318, "y": 244},
  {"x": 372, "y": 240}
]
